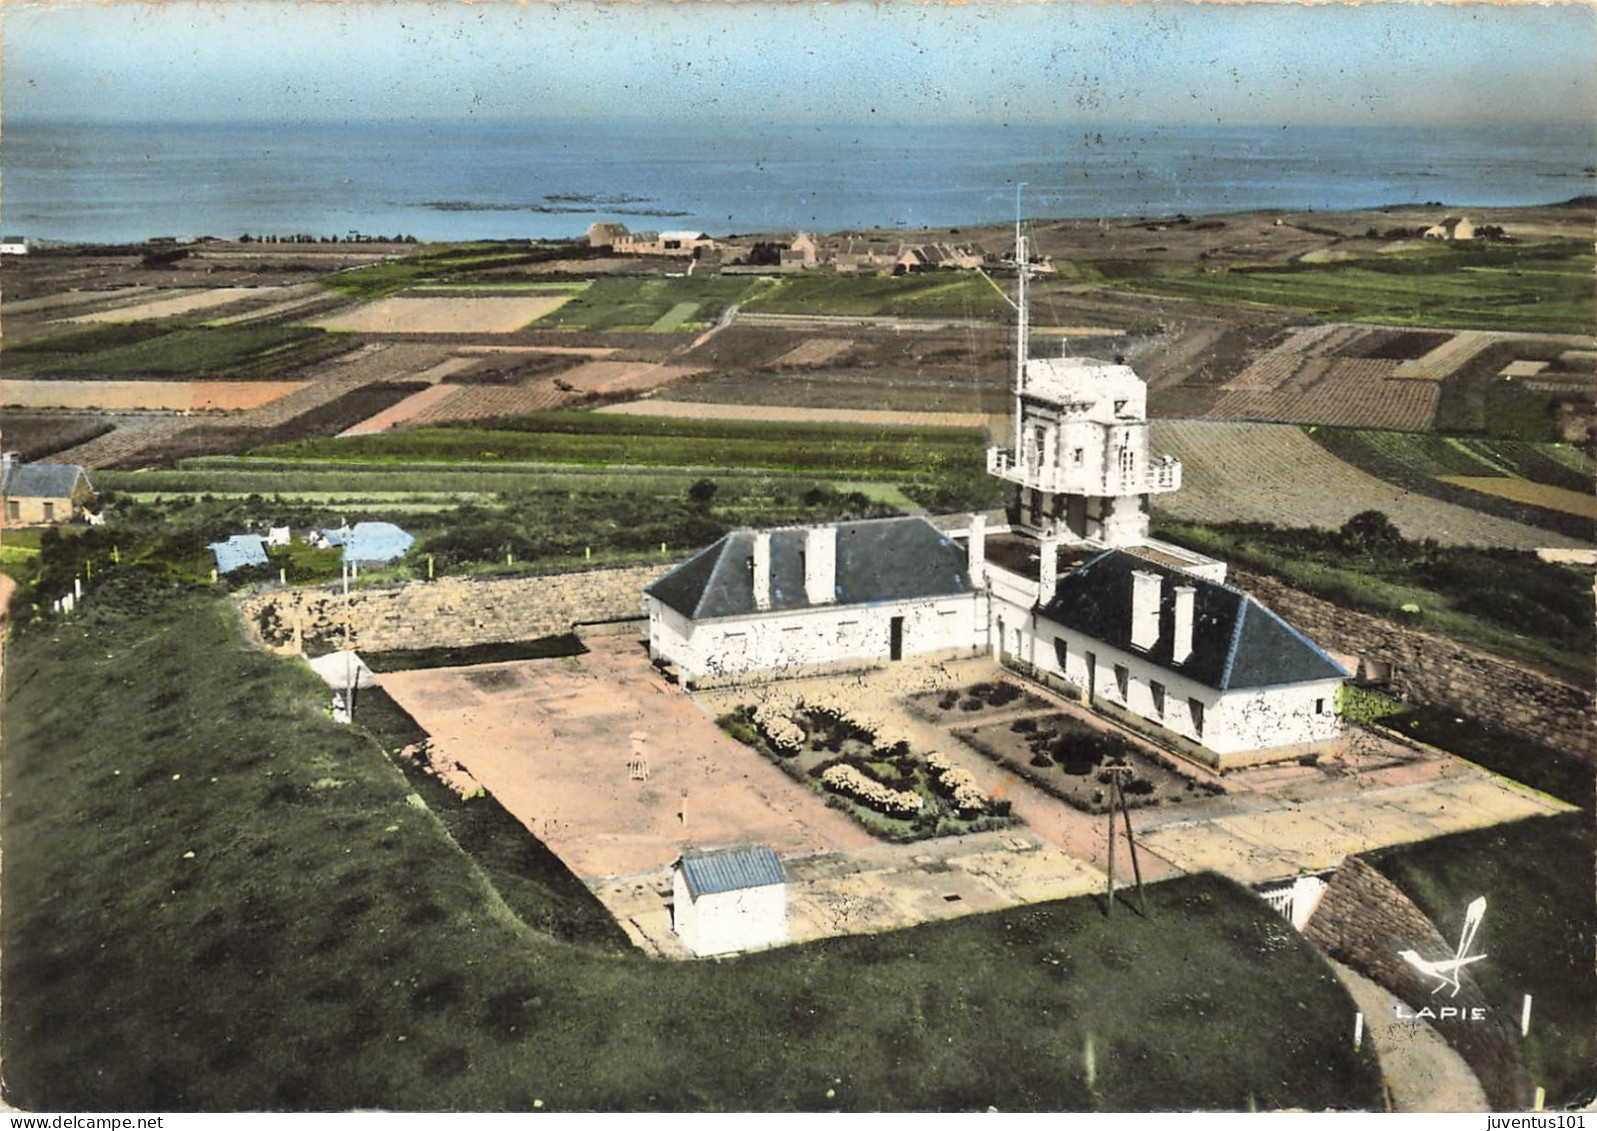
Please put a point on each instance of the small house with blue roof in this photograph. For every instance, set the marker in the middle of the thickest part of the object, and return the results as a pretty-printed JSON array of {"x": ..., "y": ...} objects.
[
  {"x": 730, "y": 900},
  {"x": 239, "y": 552},
  {"x": 371, "y": 543}
]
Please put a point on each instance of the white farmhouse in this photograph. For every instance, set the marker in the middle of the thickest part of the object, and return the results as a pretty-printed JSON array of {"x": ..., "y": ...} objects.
[
  {"x": 1070, "y": 591},
  {"x": 729, "y": 901},
  {"x": 849, "y": 593}
]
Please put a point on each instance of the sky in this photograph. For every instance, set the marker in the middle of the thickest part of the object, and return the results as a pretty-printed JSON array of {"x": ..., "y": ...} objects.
[{"x": 1150, "y": 61}]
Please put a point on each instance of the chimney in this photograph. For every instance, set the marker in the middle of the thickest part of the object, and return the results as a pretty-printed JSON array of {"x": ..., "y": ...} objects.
[
  {"x": 1047, "y": 567},
  {"x": 1145, "y": 588},
  {"x": 820, "y": 564},
  {"x": 761, "y": 563},
  {"x": 976, "y": 551},
  {"x": 1182, "y": 646}
]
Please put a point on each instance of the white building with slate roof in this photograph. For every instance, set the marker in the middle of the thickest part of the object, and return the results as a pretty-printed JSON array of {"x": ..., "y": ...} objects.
[
  {"x": 1071, "y": 592},
  {"x": 38, "y": 494},
  {"x": 729, "y": 901}
]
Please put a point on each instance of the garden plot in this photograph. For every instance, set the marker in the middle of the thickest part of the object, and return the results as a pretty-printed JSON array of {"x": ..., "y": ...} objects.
[
  {"x": 487, "y": 402},
  {"x": 1275, "y": 473},
  {"x": 623, "y": 376},
  {"x": 866, "y": 765},
  {"x": 1524, "y": 491},
  {"x": 401, "y": 314},
  {"x": 184, "y": 302},
  {"x": 1074, "y": 762}
]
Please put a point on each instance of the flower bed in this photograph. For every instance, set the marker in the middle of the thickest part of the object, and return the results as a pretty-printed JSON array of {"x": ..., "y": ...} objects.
[
  {"x": 977, "y": 699},
  {"x": 1073, "y": 761},
  {"x": 864, "y": 765}
]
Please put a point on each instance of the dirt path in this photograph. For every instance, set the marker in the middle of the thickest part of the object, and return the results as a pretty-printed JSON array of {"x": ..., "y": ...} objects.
[{"x": 1423, "y": 1072}]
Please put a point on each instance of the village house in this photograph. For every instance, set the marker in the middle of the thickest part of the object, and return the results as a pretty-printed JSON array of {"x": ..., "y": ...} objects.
[
  {"x": 14, "y": 245},
  {"x": 942, "y": 256},
  {"x": 856, "y": 254},
  {"x": 606, "y": 234},
  {"x": 43, "y": 494},
  {"x": 804, "y": 251},
  {"x": 1452, "y": 228},
  {"x": 1069, "y": 589}
]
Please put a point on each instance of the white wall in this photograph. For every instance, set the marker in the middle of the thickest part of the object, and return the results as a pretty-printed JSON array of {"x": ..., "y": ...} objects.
[
  {"x": 732, "y": 921},
  {"x": 832, "y": 634},
  {"x": 1233, "y": 722}
]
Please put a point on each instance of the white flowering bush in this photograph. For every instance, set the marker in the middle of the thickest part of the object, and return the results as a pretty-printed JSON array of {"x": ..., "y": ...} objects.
[
  {"x": 958, "y": 783},
  {"x": 894, "y": 802},
  {"x": 784, "y": 735}
]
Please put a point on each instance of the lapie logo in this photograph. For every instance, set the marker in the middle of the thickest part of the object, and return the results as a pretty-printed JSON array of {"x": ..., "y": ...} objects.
[{"x": 1448, "y": 971}]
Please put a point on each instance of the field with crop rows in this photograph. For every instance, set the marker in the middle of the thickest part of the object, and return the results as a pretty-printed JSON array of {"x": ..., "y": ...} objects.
[
  {"x": 1528, "y": 287},
  {"x": 171, "y": 304},
  {"x": 652, "y": 304},
  {"x": 1583, "y": 505},
  {"x": 150, "y": 349},
  {"x": 1277, "y": 473},
  {"x": 941, "y": 295},
  {"x": 405, "y": 313}
]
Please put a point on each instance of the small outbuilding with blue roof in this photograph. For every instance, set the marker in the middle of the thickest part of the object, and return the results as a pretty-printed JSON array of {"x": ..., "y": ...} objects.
[{"x": 730, "y": 900}]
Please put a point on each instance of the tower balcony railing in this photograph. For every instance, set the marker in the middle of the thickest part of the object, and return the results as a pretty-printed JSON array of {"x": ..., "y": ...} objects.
[{"x": 1161, "y": 475}]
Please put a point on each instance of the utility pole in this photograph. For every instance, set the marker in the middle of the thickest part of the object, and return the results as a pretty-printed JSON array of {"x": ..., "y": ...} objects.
[{"x": 1117, "y": 799}]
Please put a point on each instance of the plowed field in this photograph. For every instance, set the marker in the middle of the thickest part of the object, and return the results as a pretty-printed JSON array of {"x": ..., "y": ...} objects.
[
  {"x": 1524, "y": 491},
  {"x": 181, "y": 302},
  {"x": 169, "y": 396},
  {"x": 1275, "y": 473},
  {"x": 500, "y": 314}
]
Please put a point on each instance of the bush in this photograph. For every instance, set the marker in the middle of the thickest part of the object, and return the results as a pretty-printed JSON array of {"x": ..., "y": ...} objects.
[{"x": 1023, "y": 726}]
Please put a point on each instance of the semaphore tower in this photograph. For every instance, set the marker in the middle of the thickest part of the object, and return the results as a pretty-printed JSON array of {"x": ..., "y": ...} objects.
[{"x": 1078, "y": 458}]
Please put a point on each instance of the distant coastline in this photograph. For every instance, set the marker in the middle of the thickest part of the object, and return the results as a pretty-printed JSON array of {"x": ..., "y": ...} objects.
[{"x": 126, "y": 183}]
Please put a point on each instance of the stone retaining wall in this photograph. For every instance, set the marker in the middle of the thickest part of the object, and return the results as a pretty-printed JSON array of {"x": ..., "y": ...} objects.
[
  {"x": 449, "y": 612},
  {"x": 1430, "y": 669},
  {"x": 1364, "y": 920}
]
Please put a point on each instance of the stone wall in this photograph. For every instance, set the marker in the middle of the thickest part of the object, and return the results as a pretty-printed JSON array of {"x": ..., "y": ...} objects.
[
  {"x": 449, "y": 612},
  {"x": 1365, "y": 921},
  {"x": 1430, "y": 669}
]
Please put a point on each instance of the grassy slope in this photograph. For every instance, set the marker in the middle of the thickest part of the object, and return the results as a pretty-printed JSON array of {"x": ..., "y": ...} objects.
[
  {"x": 1500, "y": 601},
  {"x": 326, "y": 946},
  {"x": 1539, "y": 933}
]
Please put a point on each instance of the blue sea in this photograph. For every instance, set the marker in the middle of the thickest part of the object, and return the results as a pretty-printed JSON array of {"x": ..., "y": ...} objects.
[{"x": 108, "y": 184}]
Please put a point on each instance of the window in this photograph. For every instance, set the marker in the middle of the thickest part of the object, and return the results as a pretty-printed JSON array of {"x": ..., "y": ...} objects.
[
  {"x": 1127, "y": 461},
  {"x": 1120, "y": 408},
  {"x": 735, "y": 643},
  {"x": 1195, "y": 709},
  {"x": 1122, "y": 681},
  {"x": 1061, "y": 652},
  {"x": 1319, "y": 706},
  {"x": 13, "y": 511},
  {"x": 1076, "y": 456},
  {"x": 1157, "y": 690},
  {"x": 49, "y": 512}
]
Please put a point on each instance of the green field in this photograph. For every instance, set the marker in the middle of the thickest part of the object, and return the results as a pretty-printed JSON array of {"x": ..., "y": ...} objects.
[
  {"x": 218, "y": 899},
  {"x": 1503, "y": 601},
  {"x": 439, "y": 265},
  {"x": 652, "y": 304},
  {"x": 595, "y": 438},
  {"x": 146, "y": 350},
  {"x": 1539, "y": 933},
  {"x": 1413, "y": 461},
  {"x": 941, "y": 295},
  {"x": 1487, "y": 286}
]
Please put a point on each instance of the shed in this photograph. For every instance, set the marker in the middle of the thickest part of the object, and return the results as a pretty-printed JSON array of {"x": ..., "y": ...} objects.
[
  {"x": 729, "y": 900},
  {"x": 238, "y": 552},
  {"x": 371, "y": 543},
  {"x": 344, "y": 673}
]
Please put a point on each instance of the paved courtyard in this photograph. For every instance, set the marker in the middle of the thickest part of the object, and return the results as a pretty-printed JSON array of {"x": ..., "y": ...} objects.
[{"x": 618, "y": 771}]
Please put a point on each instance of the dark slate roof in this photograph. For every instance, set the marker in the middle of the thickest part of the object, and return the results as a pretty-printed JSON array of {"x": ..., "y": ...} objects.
[
  {"x": 239, "y": 551},
  {"x": 1236, "y": 642},
  {"x": 731, "y": 869},
  {"x": 41, "y": 480},
  {"x": 889, "y": 559}
]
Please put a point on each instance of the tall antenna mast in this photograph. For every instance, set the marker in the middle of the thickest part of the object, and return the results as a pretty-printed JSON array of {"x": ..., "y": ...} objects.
[{"x": 1022, "y": 330}]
